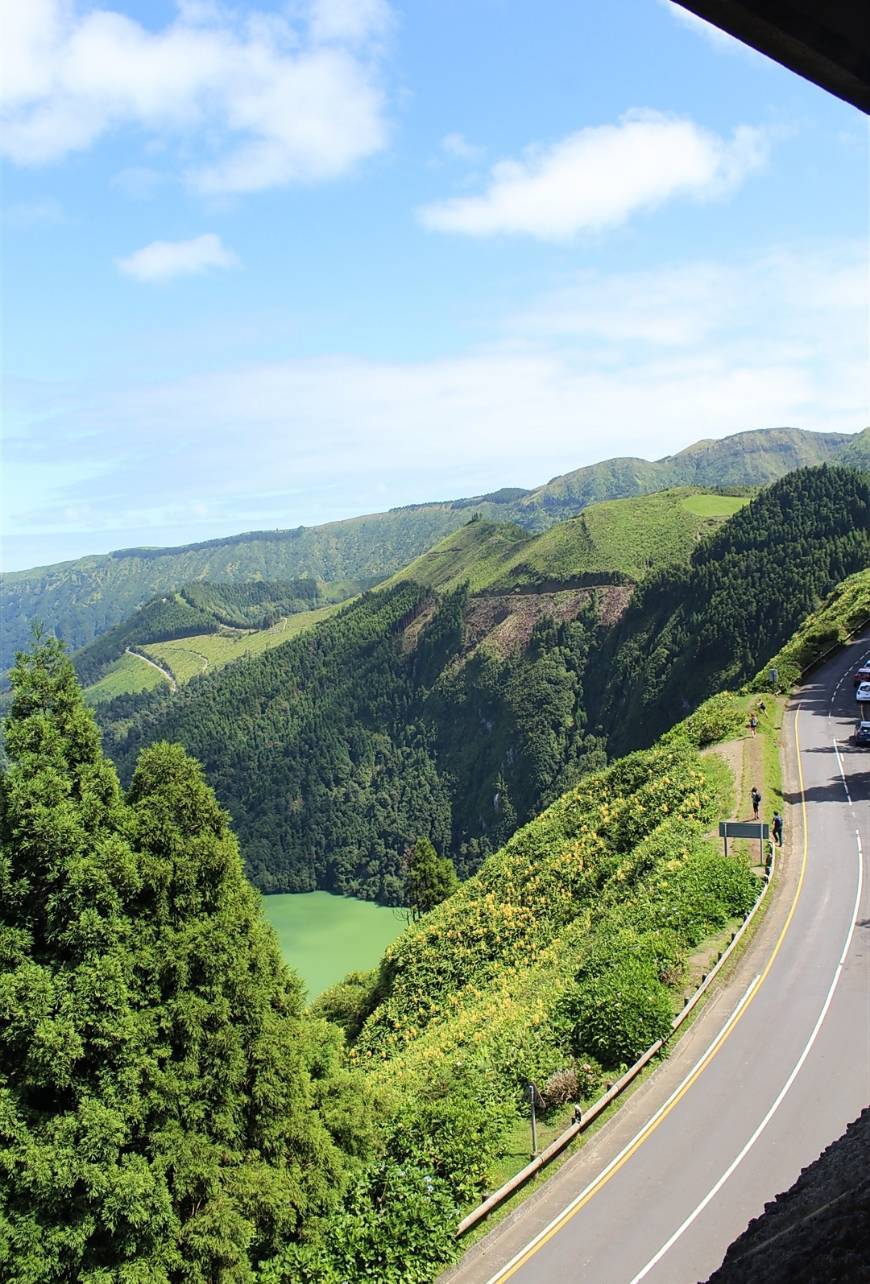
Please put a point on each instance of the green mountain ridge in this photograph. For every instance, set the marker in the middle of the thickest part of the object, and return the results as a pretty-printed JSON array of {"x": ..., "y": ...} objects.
[{"x": 83, "y": 598}]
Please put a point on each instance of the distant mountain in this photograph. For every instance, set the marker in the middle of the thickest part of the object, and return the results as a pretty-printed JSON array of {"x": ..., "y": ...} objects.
[
  {"x": 82, "y": 599},
  {"x": 856, "y": 452}
]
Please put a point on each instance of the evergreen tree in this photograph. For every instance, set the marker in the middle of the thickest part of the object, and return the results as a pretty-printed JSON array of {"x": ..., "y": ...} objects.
[
  {"x": 431, "y": 878},
  {"x": 166, "y": 1113}
]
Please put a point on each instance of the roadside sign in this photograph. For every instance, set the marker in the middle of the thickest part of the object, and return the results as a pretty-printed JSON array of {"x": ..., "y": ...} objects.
[
  {"x": 757, "y": 829},
  {"x": 744, "y": 829}
]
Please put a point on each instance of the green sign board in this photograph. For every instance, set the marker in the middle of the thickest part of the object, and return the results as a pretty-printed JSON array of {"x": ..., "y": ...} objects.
[{"x": 743, "y": 829}]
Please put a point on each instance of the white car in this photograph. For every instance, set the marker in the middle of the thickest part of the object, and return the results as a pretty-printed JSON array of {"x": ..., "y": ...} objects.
[{"x": 862, "y": 695}]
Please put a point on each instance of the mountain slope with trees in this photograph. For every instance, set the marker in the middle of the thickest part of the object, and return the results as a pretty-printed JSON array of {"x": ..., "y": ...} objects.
[
  {"x": 83, "y": 598},
  {"x": 693, "y": 630},
  {"x": 412, "y": 714}
]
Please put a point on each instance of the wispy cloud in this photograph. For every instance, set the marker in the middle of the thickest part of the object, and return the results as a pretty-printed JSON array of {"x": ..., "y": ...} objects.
[
  {"x": 278, "y": 101},
  {"x": 458, "y": 147},
  {"x": 600, "y": 176},
  {"x": 607, "y": 364},
  {"x": 39, "y": 213},
  {"x": 163, "y": 260}
]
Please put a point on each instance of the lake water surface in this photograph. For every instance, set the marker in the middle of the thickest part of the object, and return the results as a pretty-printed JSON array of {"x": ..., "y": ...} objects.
[{"x": 323, "y": 936}]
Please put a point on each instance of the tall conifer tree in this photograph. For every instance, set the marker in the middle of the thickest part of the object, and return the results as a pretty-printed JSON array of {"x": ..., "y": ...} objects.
[{"x": 166, "y": 1112}]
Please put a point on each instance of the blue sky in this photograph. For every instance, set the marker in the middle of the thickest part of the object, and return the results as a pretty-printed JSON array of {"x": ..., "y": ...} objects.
[{"x": 276, "y": 264}]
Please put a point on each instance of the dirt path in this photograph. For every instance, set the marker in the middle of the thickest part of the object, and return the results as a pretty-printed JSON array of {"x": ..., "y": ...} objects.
[{"x": 167, "y": 677}]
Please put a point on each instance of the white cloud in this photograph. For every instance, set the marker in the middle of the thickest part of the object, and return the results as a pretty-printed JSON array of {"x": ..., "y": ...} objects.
[
  {"x": 628, "y": 364},
  {"x": 600, "y": 176},
  {"x": 278, "y": 103},
  {"x": 458, "y": 147},
  {"x": 163, "y": 260}
]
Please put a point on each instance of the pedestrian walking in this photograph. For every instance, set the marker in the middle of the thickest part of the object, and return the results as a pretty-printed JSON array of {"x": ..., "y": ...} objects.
[
  {"x": 777, "y": 829},
  {"x": 756, "y": 802},
  {"x": 753, "y": 724}
]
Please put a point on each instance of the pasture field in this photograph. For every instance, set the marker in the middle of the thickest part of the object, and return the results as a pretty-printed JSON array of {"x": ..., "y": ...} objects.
[
  {"x": 126, "y": 676},
  {"x": 715, "y": 505},
  {"x": 188, "y": 657}
]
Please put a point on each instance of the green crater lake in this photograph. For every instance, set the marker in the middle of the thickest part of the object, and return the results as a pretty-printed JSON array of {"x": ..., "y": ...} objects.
[{"x": 324, "y": 937}]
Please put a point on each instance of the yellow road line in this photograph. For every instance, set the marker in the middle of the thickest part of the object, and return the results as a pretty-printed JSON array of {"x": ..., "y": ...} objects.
[{"x": 718, "y": 1043}]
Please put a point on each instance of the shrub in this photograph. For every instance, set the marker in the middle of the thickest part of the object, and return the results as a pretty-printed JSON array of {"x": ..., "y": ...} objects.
[
  {"x": 621, "y": 1011},
  {"x": 562, "y": 1087},
  {"x": 719, "y": 718},
  {"x": 396, "y": 1227},
  {"x": 349, "y": 1002},
  {"x": 456, "y": 1132}
]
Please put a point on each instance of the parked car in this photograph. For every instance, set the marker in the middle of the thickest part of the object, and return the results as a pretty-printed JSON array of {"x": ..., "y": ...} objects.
[
  {"x": 861, "y": 675},
  {"x": 861, "y": 735},
  {"x": 862, "y": 695}
]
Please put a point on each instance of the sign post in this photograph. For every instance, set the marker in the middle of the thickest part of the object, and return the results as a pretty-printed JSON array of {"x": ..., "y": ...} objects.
[{"x": 745, "y": 829}]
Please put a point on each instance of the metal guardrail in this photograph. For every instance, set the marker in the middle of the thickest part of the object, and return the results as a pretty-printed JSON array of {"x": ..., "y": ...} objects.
[{"x": 616, "y": 1089}]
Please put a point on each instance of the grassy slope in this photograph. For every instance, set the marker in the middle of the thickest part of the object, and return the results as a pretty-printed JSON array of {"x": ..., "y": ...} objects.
[
  {"x": 126, "y": 676},
  {"x": 626, "y": 536},
  {"x": 188, "y": 657},
  {"x": 85, "y": 597}
]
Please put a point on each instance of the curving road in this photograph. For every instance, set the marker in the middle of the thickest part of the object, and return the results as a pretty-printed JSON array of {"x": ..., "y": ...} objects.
[{"x": 773, "y": 1071}]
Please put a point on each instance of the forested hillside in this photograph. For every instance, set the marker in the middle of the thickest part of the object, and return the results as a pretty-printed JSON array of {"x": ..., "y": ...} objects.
[
  {"x": 458, "y": 716},
  {"x": 691, "y": 631},
  {"x": 82, "y": 599}
]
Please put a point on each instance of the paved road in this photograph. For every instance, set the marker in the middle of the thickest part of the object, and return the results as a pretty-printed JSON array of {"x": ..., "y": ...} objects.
[{"x": 791, "y": 1068}]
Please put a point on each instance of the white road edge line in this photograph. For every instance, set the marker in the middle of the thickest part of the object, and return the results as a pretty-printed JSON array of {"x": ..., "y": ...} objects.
[
  {"x": 842, "y": 774},
  {"x": 662, "y": 1108},
  {"x": 772, "y": 1111}
]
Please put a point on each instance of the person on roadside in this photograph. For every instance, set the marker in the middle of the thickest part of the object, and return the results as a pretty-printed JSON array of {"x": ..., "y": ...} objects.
[
  {"x": 777, "y": 829},
  {"x": 753, "y": 724},
  {"x": 756, "y": 801}
]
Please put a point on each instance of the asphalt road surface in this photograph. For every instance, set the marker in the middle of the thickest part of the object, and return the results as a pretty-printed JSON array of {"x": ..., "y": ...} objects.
[{"x": 772, "y": 1072}]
